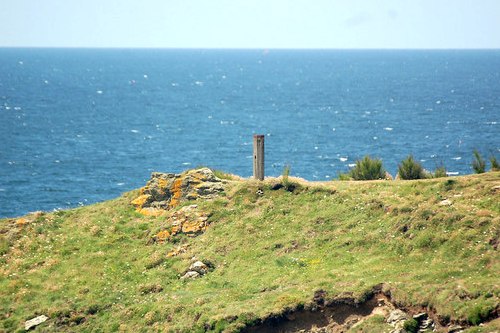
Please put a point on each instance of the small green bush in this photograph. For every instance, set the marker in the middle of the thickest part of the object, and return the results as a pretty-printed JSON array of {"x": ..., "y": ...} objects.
[
  {"x": 344, "y": 176},
  {"x": 367, "y": 169},
  {"x": 494, "y": 164},
  {"x": 440, "y": 172},
  {"x": 478, "y": 314},
  {"x": 410, "y": 169},
  {"x": 478, "y": 164},
  {"x": 411, "y": 326}
]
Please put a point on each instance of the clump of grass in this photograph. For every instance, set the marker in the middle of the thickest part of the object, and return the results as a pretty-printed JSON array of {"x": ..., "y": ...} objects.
[
  {"x": 344, "y": 176},
  {"x": 367, "y": 169},
  {"x": 478, "y": 164},
  {"x": 223, "y": 175},
  {"x": 440, "y": 172},
  {"x": 495, "y": 166},
  {"x": 411, "y": 169}
]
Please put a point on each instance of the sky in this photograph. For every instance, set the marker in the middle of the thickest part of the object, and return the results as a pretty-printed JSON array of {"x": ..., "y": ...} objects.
[{"x": 338, "y": 24}]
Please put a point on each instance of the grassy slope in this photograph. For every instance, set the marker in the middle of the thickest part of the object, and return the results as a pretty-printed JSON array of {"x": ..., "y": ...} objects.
[{"x": 91, "y": 269}]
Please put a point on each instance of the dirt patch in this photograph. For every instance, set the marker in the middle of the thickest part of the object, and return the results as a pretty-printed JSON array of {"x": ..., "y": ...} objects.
[
  {"x": 339, "y": 314},
  {"x": 334, "y": 316}
]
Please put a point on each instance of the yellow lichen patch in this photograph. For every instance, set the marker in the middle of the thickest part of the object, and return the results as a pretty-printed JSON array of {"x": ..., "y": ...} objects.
[
  {"x": 194, "y": 227},
  {"x": 140, "y": 200},
  {"x": 176, "y": 193},
  {"x": 151, "y": 211},
  {"x": 163, "y": 235},
  {"x": 21, "y": 221},
  {"x": 162, "y": 184}
]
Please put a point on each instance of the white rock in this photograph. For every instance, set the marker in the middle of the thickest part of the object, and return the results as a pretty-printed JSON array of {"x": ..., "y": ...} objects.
[
  {"x": 34, "y": 322},
  {"x": 396, "y": 316},
  {"x": 199, "y": 267},
  {"x": 190, "y": 275},
  {"x": 445, "y": 202}
]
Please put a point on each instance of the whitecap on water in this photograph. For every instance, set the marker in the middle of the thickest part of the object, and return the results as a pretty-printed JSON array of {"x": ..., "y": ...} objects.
[
  {"x": 134, "y": 131},
  {"x": 99, "y": 92},
  {"x": 351, "y": 165},
  {"x": 452, "y": 173},
  {"x": 120, "y": 184},
  {"x": 438, "y": 102},
  {"x": 198, "y": 83},
  {"x": 456, "y": 158},
  {"x": 186, "y": 163},
  {"x": 343, "y": 159},
  {"x": 388, "y": 128}
]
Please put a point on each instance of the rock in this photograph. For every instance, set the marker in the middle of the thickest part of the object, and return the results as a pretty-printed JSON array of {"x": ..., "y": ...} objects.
[
  {"x": 166, "y": 190},
  {"x": 420, "y": 316},
  {"x": 199, "y": 267},
  {"x": 29, "y": 324},
  {"x": 388, "y": 176},
  {"x": 396, "y": 319},
  {"x": 445, "y": 202},
  {"x": 190, "y": 275},
  {"x": 189, "y": 220},
  {"x": 426, "y": 324},
  {"x": 455, "y": 329}
]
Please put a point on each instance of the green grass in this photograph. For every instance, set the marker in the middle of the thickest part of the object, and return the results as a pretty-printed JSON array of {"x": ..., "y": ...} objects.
[{"x": 92, "y": 269}]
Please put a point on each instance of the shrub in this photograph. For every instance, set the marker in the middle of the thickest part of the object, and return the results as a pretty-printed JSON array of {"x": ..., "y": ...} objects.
[
  {"x": 344, "y": 176},
  {"x": 478, "y": 164},
  {"x": 440, "y": 172},
  {"x": 494, "y": 164},
  {"x": 410, "y": 169},
  {"x": 411, "y": 326},
  {"x": 367, "y": 169}
]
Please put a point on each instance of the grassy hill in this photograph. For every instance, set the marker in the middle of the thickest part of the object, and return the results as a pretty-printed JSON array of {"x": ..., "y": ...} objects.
[{"x": 273, "y": 252}]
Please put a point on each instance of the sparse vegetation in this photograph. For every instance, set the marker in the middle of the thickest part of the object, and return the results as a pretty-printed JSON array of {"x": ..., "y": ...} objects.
[
  {"x": 89, "y": 268},
  {"x": 440, "y": 172},
  {"x": 494, "y": 163},
  {"x": 411, "y": 169},
  {"x": 367, "y": 169},
  {"x": 478, "y": 164}
]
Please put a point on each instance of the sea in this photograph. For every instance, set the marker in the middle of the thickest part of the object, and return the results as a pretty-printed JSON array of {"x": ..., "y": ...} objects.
[{"x": 79, "y": 126}]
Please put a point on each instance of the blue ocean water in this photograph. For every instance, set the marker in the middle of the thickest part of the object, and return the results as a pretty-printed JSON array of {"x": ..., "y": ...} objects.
[{"x": 83, "y": 125}]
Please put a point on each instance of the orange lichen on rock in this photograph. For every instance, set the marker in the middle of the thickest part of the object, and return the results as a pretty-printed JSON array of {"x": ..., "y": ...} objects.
[
  {"x": 176, "y": 193},
  {"x": 165, "y": 191},
  {"x": 189, "y": 220},
  {"x": 141, "y": 200},
  {"x": 163, "y": 235},
  {"x": 149, "y": 211},
  {"x": 21, "y": 221}
]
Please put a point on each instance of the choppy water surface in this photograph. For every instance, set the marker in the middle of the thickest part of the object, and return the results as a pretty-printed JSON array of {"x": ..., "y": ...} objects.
[{"x": 79, "y": 126}]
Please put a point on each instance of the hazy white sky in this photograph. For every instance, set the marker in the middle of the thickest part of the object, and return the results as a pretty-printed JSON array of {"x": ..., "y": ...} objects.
[{"x": 251, "y": 23}]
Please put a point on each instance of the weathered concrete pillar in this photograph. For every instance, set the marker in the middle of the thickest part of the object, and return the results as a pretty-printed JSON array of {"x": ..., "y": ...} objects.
[{"x": 258, "y": 157}]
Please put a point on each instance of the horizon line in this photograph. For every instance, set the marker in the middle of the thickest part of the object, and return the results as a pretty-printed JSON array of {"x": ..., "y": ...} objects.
[{"x": 255, "y": 48}]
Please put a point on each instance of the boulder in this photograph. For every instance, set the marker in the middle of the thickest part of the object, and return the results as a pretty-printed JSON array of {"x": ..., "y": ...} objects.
[
  {"x": 29, "y": 324},
  {"x": 396, "y": 319},
  {"x": 199, "y": 267},
  {"x": 166, "y": 190}
]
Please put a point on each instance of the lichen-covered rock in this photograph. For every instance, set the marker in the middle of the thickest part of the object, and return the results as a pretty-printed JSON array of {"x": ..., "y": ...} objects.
[
  {"x": 189, "y": 220},
  {"x": 166, "y": 190}
]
